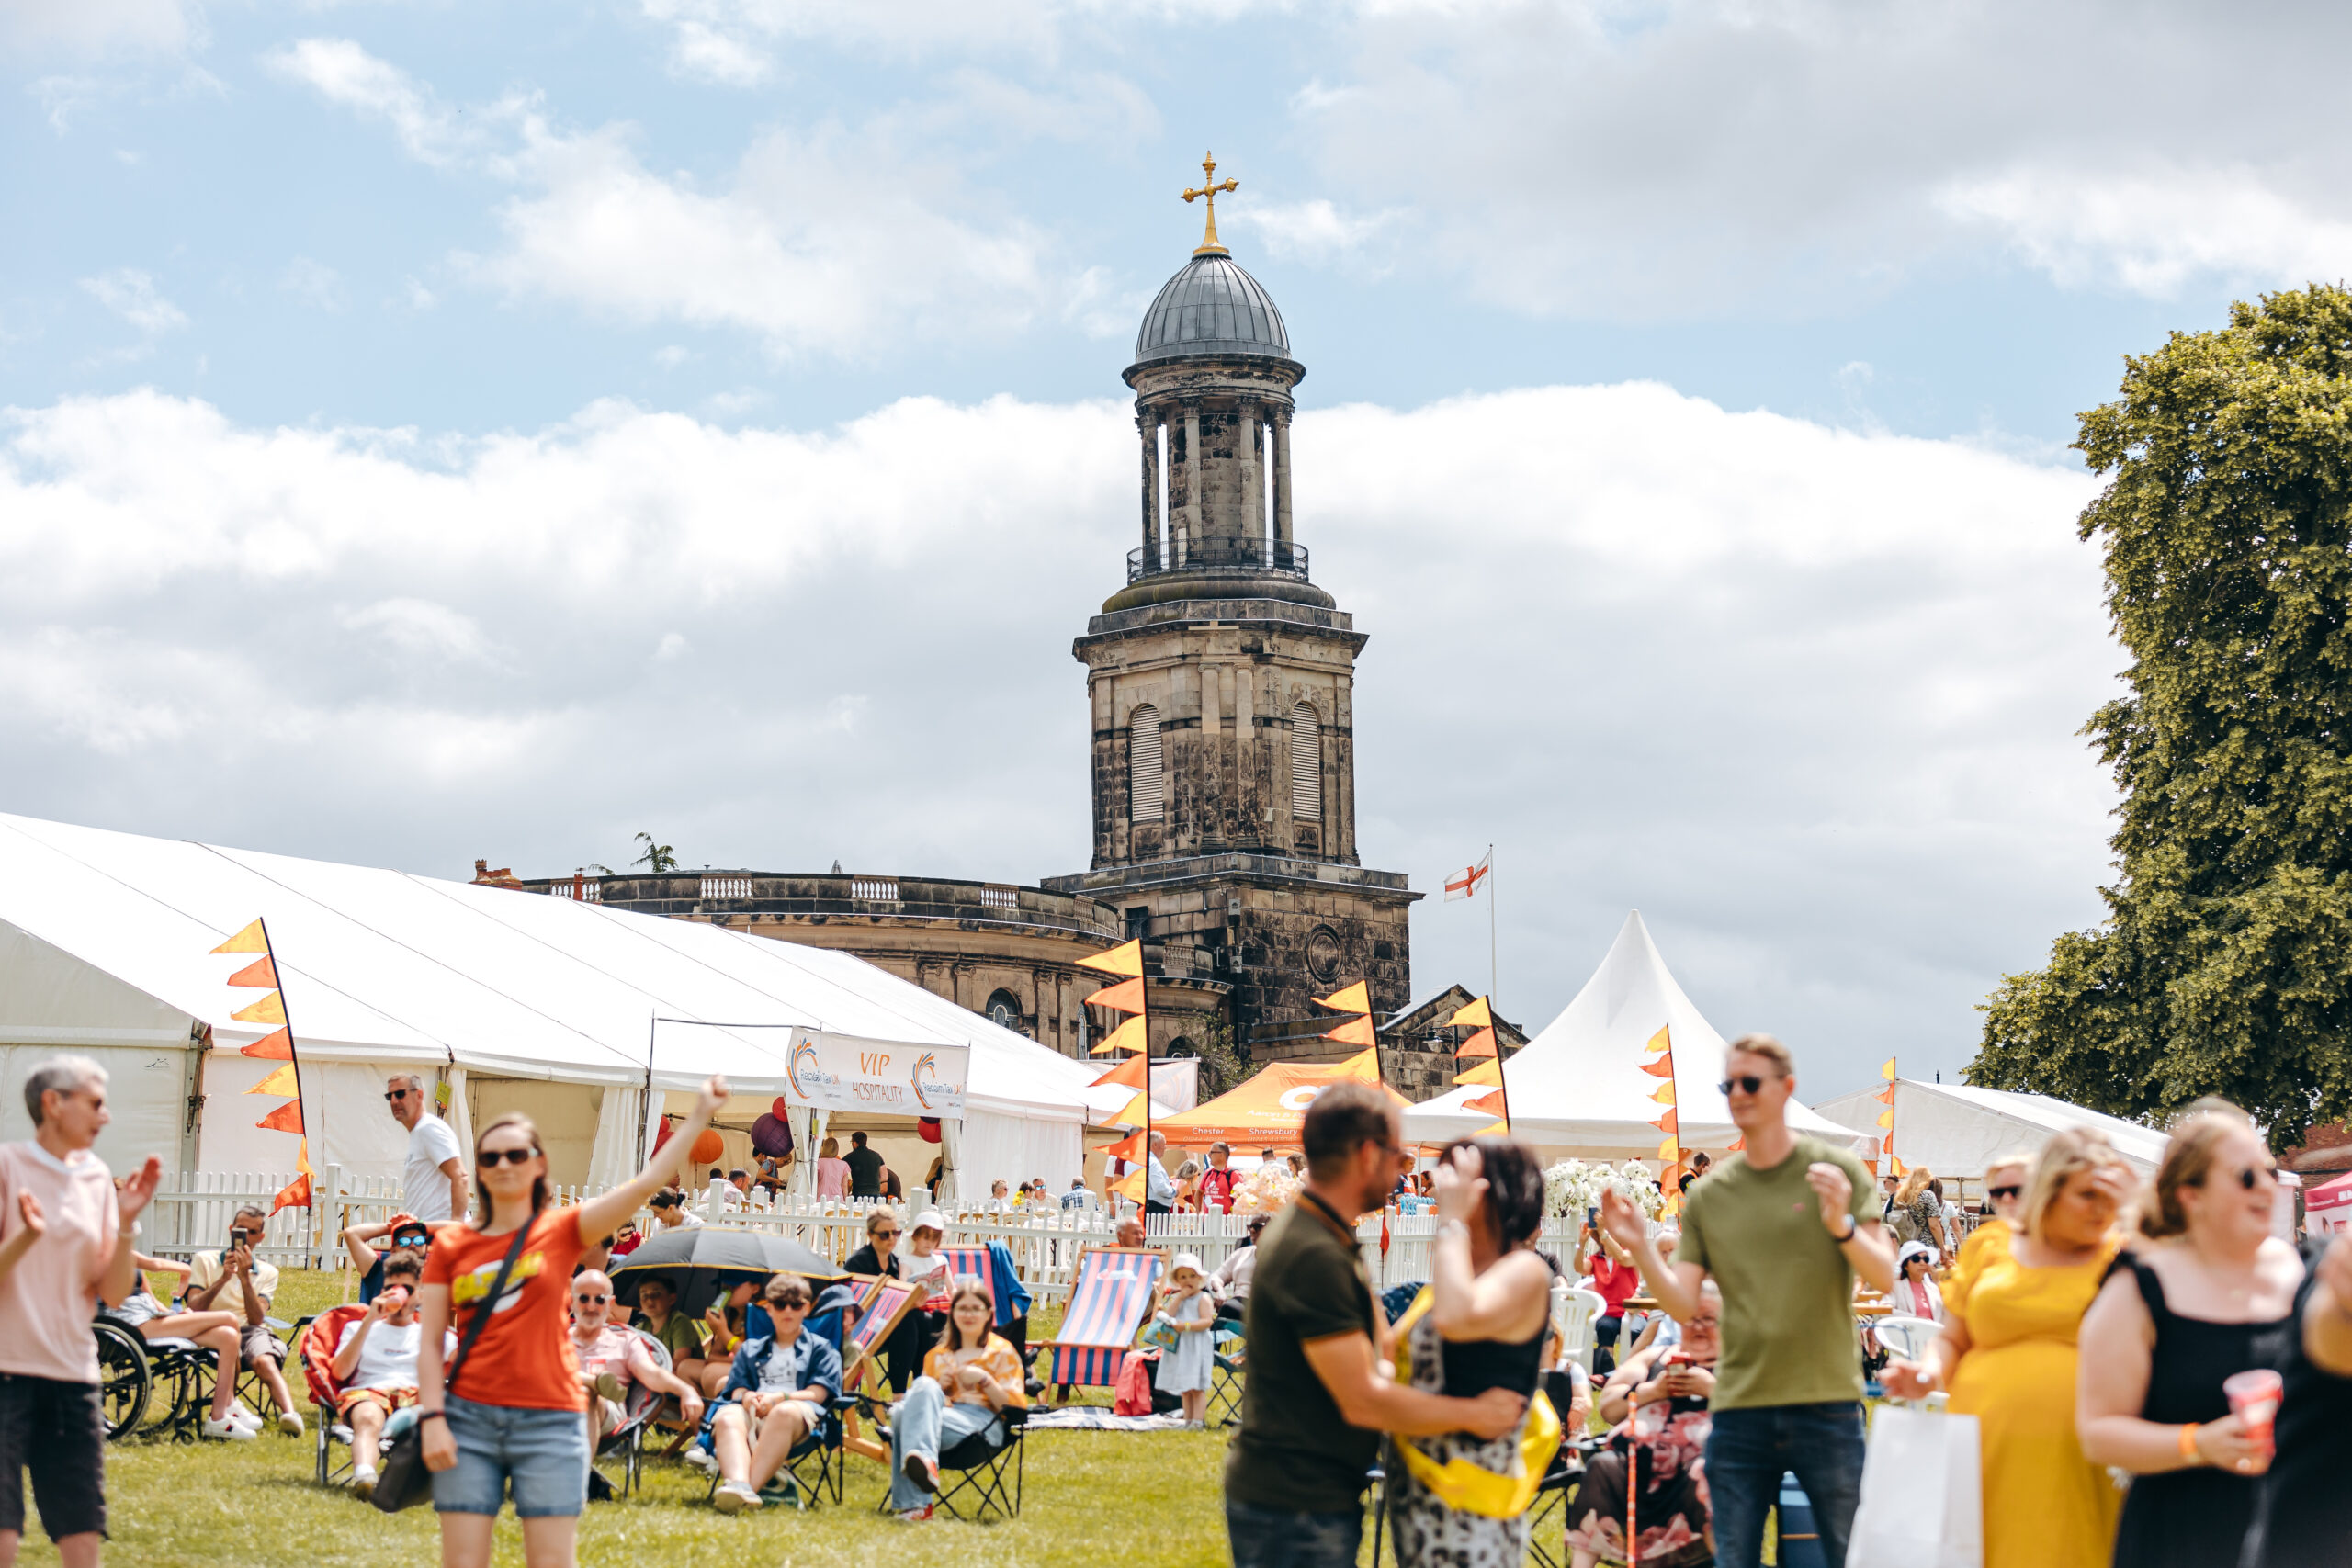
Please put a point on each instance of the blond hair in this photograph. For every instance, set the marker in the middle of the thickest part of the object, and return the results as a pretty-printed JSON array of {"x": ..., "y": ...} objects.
[
  {"x": 2188, "y": 1160},
  {"x": 1914, "y": 1180},
  {"x": 2065, "y": 1155},
  {"x": 1766, "y": 1046},
  {"x": 2020, "y": 1160}
]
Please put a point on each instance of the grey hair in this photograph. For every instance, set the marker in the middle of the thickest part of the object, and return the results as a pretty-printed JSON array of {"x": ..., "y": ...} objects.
[
  {"x": 63, "y": 1073},
  {"x": 413, "y": 1080}
]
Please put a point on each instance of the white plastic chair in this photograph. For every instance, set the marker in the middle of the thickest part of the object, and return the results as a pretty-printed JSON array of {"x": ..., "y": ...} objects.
[
  {"x": 1909, "y": 1338},
  {"x": 1584, "y": 1308}
]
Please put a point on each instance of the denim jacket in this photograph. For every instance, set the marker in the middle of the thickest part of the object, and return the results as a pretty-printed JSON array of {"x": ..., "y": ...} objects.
[{"x": 817, "y": 1365}]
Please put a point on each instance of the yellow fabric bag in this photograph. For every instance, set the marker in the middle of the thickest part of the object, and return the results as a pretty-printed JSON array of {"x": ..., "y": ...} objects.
[{"x": 1458, "y": 1484}]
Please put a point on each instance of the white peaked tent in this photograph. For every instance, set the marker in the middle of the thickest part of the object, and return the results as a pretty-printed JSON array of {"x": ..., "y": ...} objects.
[
  {"x": 524, "y": 1001},
  {"x": 1578, "y": 1087},
  {"x": 1954, "y": 1129}
]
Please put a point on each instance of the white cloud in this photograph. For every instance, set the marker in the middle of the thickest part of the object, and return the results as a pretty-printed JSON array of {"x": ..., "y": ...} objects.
[
  {"x": 313, "y": 282},
  {"x": 1807, "y": 697},
  {"x": 1315, "y": 231},
  {"x": 95, "y": 26},
  {"x": 132, "y": 294},
  {"x": 432, "y": 131}
]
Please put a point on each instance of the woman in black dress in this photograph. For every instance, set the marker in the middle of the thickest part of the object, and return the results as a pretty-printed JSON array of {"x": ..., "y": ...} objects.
[
  {"x": 2208, "y": 1293},
  {"x": 2302, "y": 1511},
  {"x": 902, "y": 1352}
]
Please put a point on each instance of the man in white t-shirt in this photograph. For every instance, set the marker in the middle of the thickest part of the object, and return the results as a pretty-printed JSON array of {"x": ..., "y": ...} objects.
[
  {"x": 375, "y": 1365},
  {"x": 433, "y": 1182}
]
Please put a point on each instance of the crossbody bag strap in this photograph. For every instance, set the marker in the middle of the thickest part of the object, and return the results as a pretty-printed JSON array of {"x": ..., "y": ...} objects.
[{"x": 489, "y": 1303}]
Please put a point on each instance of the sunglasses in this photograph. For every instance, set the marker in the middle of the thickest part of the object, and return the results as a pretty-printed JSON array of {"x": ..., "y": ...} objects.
[
  {"x": 396, "y": 1094},
  {"x": 886, "y": 1236},
  {"x": 1747, "y": 1083},
  {"x": 488, "y": 1159},
  {"x": 419, "y": 1242},
  {"x": 2005, "y": 1190},
  {"x": 590, "y": 1301},
  {"x": 2252, "y": 1174}
]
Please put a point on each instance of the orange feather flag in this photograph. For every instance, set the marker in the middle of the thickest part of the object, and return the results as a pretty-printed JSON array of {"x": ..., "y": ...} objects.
[
  {"x": 1665, "y": 1123},
  {"x": 1478, "y": 1015},
  {"x": 1128, "y": 1074},
  {"x": 1661, "y": 1068},
  {"x": 1351, "y": 999},
  {"x": 1129, "y": 1148},
  {"x": 296, "y": 1194},
  {"x": 1355, "y": 1031},
  {"x": 1490, "y": 1103},
  {"x": 271, "y": 1009},
  {"x": 1479, "y": 1044},
  {"x": 277, "y": 1047},
  {"x": 1124, "y": 959},
  {"x": 250, "y": 939},
  {"x": 282, "y": 1081},
  {"x": 1487, "y": 1071},
  {"x": 261, "y": 974},
  {"x": 1364, "y": 1065},
  {"x": 287, "y": 1117},
  {"x": 1127, "y": 996},
  {"x": 1128, "y": 1036}
]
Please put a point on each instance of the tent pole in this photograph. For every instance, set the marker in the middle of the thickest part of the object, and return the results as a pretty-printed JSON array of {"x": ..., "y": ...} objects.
[
  {"x": 645, "y": 1110},
  {"x": 1493, "y": 969}
]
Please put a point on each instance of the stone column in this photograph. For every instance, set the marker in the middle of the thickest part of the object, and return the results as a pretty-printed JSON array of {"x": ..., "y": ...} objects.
[
  {"x": 1193, "y": 476},
  {"x": 1281, "y": 476},
  {"x": 1149, "y": 425},
  {"x": 1253, "y": 474}
]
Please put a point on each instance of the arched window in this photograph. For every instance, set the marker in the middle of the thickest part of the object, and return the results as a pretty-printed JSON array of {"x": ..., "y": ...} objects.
[
  {"x": 1306, "y": 763},
  {"x": 1004, "y": 1010},
  {"x": 1144, "y": 789}
]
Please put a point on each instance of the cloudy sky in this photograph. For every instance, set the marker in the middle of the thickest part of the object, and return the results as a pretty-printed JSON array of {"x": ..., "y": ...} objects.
[{"x": 434, "y": 430}]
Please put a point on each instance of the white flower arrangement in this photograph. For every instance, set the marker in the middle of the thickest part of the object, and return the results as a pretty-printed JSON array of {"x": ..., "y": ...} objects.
[
  {"x": 1574, "y": 1186},
  {"x": 1265, "y": 1189}
]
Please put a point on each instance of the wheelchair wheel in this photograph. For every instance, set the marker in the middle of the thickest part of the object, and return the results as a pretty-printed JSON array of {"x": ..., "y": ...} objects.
[{"x": 125, "y": 1380}]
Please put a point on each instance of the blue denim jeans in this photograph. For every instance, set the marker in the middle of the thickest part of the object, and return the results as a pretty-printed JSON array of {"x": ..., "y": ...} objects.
[
  {"x": 925, "y": 1424},
  {"x": 1269, "y": 1538},
  {"x": 1750, "y": 1450}
]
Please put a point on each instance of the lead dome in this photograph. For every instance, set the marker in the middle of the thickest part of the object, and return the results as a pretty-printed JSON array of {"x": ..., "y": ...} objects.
[{"x": 1211, "y": 308}]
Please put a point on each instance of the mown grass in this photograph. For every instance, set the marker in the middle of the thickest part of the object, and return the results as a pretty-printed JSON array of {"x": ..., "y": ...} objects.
[{"x": 1136, "y": 1500}]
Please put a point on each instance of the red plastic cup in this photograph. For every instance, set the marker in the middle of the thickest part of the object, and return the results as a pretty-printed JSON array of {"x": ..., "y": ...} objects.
[{"x": 2254, "y": 1397}]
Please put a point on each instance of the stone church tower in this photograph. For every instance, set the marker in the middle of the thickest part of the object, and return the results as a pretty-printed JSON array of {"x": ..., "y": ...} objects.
[{"x": 1221, "y": 683}]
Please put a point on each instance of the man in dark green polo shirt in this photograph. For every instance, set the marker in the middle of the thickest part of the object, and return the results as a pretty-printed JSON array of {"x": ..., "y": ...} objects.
[
  {"x": 1783, "y": 1229},
  {"x": 1319, "y": 1393}
]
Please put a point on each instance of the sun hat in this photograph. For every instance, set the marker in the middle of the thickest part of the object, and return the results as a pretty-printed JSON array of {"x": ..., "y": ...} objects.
[
  {"x": 1913, "y": 1250},
  {"x": 929, "y": 1220},
  {"x": 1184, "y": 1261}
]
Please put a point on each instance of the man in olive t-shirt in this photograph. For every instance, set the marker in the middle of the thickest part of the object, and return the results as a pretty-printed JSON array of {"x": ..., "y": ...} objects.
[
  {"x": 1319, "y": 1395},
  {"x": 1783, "y": 1229}
]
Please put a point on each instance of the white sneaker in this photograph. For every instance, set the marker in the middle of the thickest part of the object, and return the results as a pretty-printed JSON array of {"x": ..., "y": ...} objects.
[
  {"x": 245, "y": 1417},
  {"x": 230, "y": 1428},
  {"x": 363, "y": 1484},
  {"x": 290, "y": 1422},
  {"x": 733, "y": 1498},
  {"x": 703, "y": 1459}
]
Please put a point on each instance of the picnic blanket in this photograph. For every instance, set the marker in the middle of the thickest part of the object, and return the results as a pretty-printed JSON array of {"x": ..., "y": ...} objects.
[{"x": 1098, "y": 1418}]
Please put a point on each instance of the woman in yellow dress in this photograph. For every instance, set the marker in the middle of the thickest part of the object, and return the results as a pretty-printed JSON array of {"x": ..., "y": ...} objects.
[{"x": 2006, "y": 1354}]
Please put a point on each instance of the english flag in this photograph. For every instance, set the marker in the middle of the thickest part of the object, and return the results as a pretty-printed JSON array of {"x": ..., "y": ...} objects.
[{"x": 1467, "y": 885}]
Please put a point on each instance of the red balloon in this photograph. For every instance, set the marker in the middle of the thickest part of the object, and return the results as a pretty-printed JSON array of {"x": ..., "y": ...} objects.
[
  {"x": 708, "y": 1147},
  {"x": 927, "y": 1129},
  {"x": 669, "y": 1130},
  {"x": 782, "y": 1107}
]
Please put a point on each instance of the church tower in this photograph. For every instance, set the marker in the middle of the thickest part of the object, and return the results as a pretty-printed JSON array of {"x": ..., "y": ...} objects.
[{"x": 1221, "y": 683}]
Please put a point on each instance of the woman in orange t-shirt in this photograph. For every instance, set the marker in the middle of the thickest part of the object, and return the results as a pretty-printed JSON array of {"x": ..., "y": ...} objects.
[{"x": 519, "y": 1422}]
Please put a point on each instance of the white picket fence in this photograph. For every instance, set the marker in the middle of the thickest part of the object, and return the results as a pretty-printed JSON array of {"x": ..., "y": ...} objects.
[{"x": 192, "y": 1211}]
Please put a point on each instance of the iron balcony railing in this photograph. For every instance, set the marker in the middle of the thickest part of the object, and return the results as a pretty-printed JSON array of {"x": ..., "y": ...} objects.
[{"x": 1279, "y": 556}]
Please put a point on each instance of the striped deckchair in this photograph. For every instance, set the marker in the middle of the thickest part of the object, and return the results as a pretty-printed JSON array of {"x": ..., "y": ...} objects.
[
  {"x": 882, "y": 1301},
  {"x": 1108, "y": 1299},
  {"x": 972, "y": 1262}
]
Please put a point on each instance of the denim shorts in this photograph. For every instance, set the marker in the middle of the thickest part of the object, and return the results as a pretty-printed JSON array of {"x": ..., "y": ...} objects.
[
  {"x": 543, "y": 1454},
  {"x": 1271, "y": 1538}
]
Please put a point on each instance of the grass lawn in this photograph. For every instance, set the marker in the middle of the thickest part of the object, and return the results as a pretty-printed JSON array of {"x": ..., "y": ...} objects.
[{"x": 1136, "y": 1500}]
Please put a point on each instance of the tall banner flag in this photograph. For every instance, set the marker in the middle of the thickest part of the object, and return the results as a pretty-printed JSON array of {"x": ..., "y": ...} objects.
[
  {"x": 1357, "y": 1031},
  {"x": 276, "y": 1047},
  {"x": 1127, "y": 997},
  {"x": 1670, "y": 1151},
  {"x": 1479, "y": 1015},
  {"x": 1886, "y": 1121}
]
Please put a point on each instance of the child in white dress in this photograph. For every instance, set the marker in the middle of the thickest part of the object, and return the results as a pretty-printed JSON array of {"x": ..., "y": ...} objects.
[{"x": 1186, "y": 1307}]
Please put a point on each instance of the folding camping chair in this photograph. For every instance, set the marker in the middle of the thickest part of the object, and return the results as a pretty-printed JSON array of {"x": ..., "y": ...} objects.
[
  {"x": 1230, "y": 1368},
  {"x": 972, "y": 1476},
  {"x": 314, "y": 1349},
  {"x": 627, "y": 1440},
  {"x": 1110, "y": 1297}
]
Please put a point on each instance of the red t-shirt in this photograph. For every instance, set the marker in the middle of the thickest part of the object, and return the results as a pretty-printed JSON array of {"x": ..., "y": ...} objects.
[
  {"x": 1217, "y": 1188},
  {"x": 1614, "y": 1281},
  {"x": 524, "y": 1359}
]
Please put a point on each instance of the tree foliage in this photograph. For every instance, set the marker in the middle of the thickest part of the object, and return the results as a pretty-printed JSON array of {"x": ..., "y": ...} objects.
[{"x": 2226, "y": 963}]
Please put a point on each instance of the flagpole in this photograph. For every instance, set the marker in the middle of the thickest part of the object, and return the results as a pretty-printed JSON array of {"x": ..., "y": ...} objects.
[{"x": 294, "y": 1057}]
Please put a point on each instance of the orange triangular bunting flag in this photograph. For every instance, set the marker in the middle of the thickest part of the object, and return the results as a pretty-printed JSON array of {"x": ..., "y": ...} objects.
[
  {"x": 282, "y": 1081},
  {"x": 1131, "y": 1188},
  {"x": 287, "y": 1117},
  {"x": 261, "y": 974},
  {"x": 1661, "y": 1068},
  {"x": 1665, "y": 1123},
  {"x": 1660, "y": 1042},
  {"x": 1126, "y": 996},
  {"x": 1478, "y": 1015},
  {"x": 1493, "y": 1130},
  {"x": 1355, "y": 1031},
  {"x": 1886, "y": 1070},
  {"x": 1664, "y": 1095},
  {"x": 1490, "y": 1103},
  {"x": 1886, "y": 1119},
  {"x": 1124, "y": 959},
  {"x": 1128, "y": 1036},
  {"x": 1138, "y": 1112},
  {"x": 295, "y": 1194},
  {"x": 1479, "y": 1044},
  {"x": 250, "y": 939},
  {"x": 1127, "y": 1148},
  {"x": 302, "y": 1158},
  {"x": 1673, "y": 1201},
  {"x": 1487, "y": 1071},
  {"x": 271, "y": 1009},
  {"x": 277, "y": 1047},
  {"x": 1128, "y": 1074},
  {"x": 1738, "y": 1145},
  {"x": 1363, "y": 1064},
  {"x": 1348, "y": 998},
  {"x": 1893, "y": 1166},
  {"x": 1669, "y": 1150},
  {"x": 1885, "y": 1096}
]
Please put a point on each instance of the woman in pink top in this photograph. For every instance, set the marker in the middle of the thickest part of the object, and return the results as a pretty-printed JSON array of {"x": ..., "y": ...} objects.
[
  {"x": 64, "y": 1246},
  {"x": 833, "y": 1171}
]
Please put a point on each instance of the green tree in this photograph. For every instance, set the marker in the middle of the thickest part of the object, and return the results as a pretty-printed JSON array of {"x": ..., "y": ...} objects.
[
  {"x": 2226, "y": 963},
  {"x": 657, "y": 858}
]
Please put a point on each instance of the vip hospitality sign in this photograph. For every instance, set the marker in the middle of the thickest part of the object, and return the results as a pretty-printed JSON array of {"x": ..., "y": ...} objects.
[{"x": 834, "y": 1072}]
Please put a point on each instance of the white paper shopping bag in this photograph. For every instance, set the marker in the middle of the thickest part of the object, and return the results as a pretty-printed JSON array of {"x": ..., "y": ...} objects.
[{"x": 1922, "y": 1496}]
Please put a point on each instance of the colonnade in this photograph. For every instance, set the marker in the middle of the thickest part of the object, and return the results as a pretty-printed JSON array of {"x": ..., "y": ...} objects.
[{"x": 1264, "y": 426}]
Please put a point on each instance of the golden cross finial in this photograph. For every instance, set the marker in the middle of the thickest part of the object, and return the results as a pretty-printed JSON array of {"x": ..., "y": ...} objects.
[{"x": 1208, "y": 246}]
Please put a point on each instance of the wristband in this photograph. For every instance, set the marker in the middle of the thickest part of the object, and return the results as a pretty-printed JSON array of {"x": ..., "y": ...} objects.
[
  {"x": 2188, "y": 1443},
  {"x": 432, "y": 1416},
  {"x": 1853, "y": 1228}
]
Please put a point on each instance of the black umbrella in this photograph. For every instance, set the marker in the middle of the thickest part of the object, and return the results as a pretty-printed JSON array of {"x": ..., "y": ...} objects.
[{"x": 701, "y": 1262}]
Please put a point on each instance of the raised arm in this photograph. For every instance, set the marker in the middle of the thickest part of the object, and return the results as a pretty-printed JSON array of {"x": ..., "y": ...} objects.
[
  {"x": 355, "y": 1239},
  {"x": 1505, "y": 1302},
  {"x": 1676, "y": 1285},
  {"x": 117, "y": 1274},
  {"x": 603, "y": 1214},
  {"x": 1368, "y": 1396},
  {"x": 31, "y": 1226}
]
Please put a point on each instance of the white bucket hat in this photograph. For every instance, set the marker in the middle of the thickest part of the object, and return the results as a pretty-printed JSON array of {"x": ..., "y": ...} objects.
[
  {"x": 929, "y": 1220},
  {"x": 1183, "y": 1261}
]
